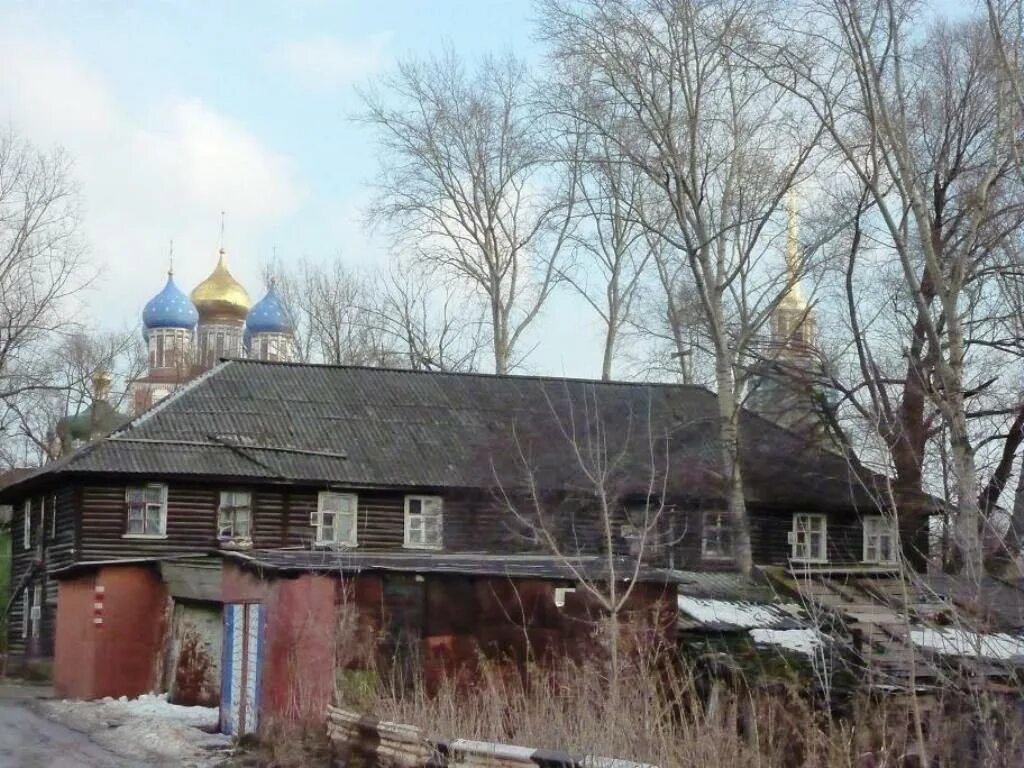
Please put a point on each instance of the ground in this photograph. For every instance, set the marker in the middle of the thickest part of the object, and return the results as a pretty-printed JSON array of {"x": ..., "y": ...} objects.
[{"x": 39, "y": 732}]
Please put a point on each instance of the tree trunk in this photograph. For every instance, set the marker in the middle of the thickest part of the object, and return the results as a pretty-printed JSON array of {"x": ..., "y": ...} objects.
[
  {"x": 728, "y": 415},
  {"x": 968, "y": 528},
  {"x": 609, "y": 354}
]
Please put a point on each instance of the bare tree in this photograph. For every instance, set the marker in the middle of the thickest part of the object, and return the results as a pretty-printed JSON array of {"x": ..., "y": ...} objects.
[
  {"x": 327, "y": 303},
  {"x": 468, "y": 184},
  {"x": 402, "y": 318},
  {"x": 610, "y": 244},
  {"x": 75, "y": 364},
  {"x": 721, "y": 145},
  {"x": 593, "y": 488},
  {"x": 922, "y": 130},
  {"x": 41, "y": 261},
  {"x": 425, "y": 319}
]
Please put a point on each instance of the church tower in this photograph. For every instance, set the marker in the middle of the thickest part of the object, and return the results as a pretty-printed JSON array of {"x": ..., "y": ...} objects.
[
  {"x": 792, "y": 323},
  {"x": 785, "y": 384},
  {"x": 222, "y": 303},
  {"x": 168, "y": 324},
  {"x": 269, "y": 331}
]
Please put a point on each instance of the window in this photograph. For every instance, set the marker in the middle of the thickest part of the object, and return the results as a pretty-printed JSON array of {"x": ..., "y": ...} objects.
[
  {"x": 234, "y": 516},
  {"x": 147, "y": 511},
  {"x": 423, "y": 522},
  {"x": 716, "y": 536},
  {"x": 336, "y": 519},
  {"x": 26, "y": 524},
  {"x": 880, "y": 540},
  {"x": 53, "y": 516},
  {"x": 24, "y": 613},
  {"x": 36, "y": 611},
  {"x": 808, "y": 538}
]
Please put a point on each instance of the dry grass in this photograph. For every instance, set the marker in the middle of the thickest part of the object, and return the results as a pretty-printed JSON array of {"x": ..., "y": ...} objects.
[{"x": 660, "y": 717}]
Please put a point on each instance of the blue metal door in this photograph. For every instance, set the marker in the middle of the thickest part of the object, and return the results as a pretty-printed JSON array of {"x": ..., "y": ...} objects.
[{"x": 241, "y": 668}]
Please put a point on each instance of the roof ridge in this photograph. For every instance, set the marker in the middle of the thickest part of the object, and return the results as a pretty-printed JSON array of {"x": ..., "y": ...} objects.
[{"x": 469, "y": 374}]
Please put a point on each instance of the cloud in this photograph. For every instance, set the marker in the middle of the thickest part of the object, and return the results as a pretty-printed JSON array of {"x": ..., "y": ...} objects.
[
  {"x": 148, "y": 171},
  {"x": 329, "y": 63}
]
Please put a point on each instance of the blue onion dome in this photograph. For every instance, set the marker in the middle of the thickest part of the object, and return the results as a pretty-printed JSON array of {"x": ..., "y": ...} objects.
[
  {"x": 170, "y": 308},
  {"x": 268, "y": 315}
]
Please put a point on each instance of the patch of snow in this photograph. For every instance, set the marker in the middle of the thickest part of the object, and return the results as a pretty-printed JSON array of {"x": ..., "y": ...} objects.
[
  {"x": 736, "y": 614},
  {"x": 147, "y": 727},
  {"x": 950, "y": 641},
  {"x": 803, "y": 641},
  {"x": 157, "y": 705}
]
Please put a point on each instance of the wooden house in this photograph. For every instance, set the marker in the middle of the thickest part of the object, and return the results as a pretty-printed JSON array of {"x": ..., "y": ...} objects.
[{"x": 255, "y": 459}]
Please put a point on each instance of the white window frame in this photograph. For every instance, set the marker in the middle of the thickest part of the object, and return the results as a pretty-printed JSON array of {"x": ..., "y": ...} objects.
[
  {"x": 317, "y": 519},
  {"x": 821, "y": 556},
  {"x": 146, "y": 507},
  {"x": 884, "y": 526},
  {"x": 24, "y": 613},
  {"x": 53, "y": 516},
  {"x": 228, "y": 513},
  {"x": 26, "y": 524},
  {"x": 722, "y": 524},
  {"x": 416, "y": 522}
]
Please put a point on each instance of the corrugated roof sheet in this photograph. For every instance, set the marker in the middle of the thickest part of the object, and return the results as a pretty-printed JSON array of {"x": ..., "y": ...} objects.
[{"x": 384, "y": 427}]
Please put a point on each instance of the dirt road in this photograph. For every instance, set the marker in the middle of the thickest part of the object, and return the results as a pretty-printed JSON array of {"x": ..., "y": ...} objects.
[{"x": 29, "y": 740}]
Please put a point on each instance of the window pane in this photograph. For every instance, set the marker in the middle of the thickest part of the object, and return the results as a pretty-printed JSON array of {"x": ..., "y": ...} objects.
[
  {"x": 154, "y": 494},
  {"x": 135, "y": 520},
  {"x": 152, "y": 519},
  {"x": 242, "y": 522},
  {"x": 432, "y": 531},
  {"x": 136, "y": 495},
  {"x": 345, "y": 528},
  {"x": 415, "y": 506},
  {"x": 327, "y": 525}
]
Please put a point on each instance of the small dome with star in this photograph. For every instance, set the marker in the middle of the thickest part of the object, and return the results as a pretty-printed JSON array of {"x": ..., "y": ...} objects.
[
  {"x": 268, "y": 315},
  {"x": 170, "y": 308}
]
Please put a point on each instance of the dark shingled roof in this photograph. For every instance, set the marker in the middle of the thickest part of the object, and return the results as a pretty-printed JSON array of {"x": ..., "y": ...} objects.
[{"x": 367, "y": 427}]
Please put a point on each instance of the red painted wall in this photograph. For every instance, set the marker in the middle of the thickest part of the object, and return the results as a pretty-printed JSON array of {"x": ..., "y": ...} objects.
[
  {"x": 75, "y": 645},
  {"x": 298, "y": 667},
  {"x": 120, "y": 657},
  {"x": 317, "y": 623},
  {"x": 299, "y": 640}
]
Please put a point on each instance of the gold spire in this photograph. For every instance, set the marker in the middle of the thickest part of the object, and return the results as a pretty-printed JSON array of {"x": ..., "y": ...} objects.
[
  {"x": 794, "y": 297},
  {"x": 220, "y": 296}
]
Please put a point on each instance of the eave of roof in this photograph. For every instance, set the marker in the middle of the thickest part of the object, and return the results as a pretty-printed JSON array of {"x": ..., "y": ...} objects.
[{"x": 329, "y": 561}]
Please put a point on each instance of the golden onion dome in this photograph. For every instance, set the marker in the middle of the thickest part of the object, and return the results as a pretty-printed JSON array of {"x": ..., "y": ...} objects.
[{"x": 220, "y": 296}]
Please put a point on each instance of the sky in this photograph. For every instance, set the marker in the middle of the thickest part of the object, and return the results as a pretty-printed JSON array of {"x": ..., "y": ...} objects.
[{"x": 175, "y": 111}]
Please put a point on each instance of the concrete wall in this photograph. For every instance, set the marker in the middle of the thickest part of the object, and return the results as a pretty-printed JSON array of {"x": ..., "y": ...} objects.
[{"x": 121, "y": 656}]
